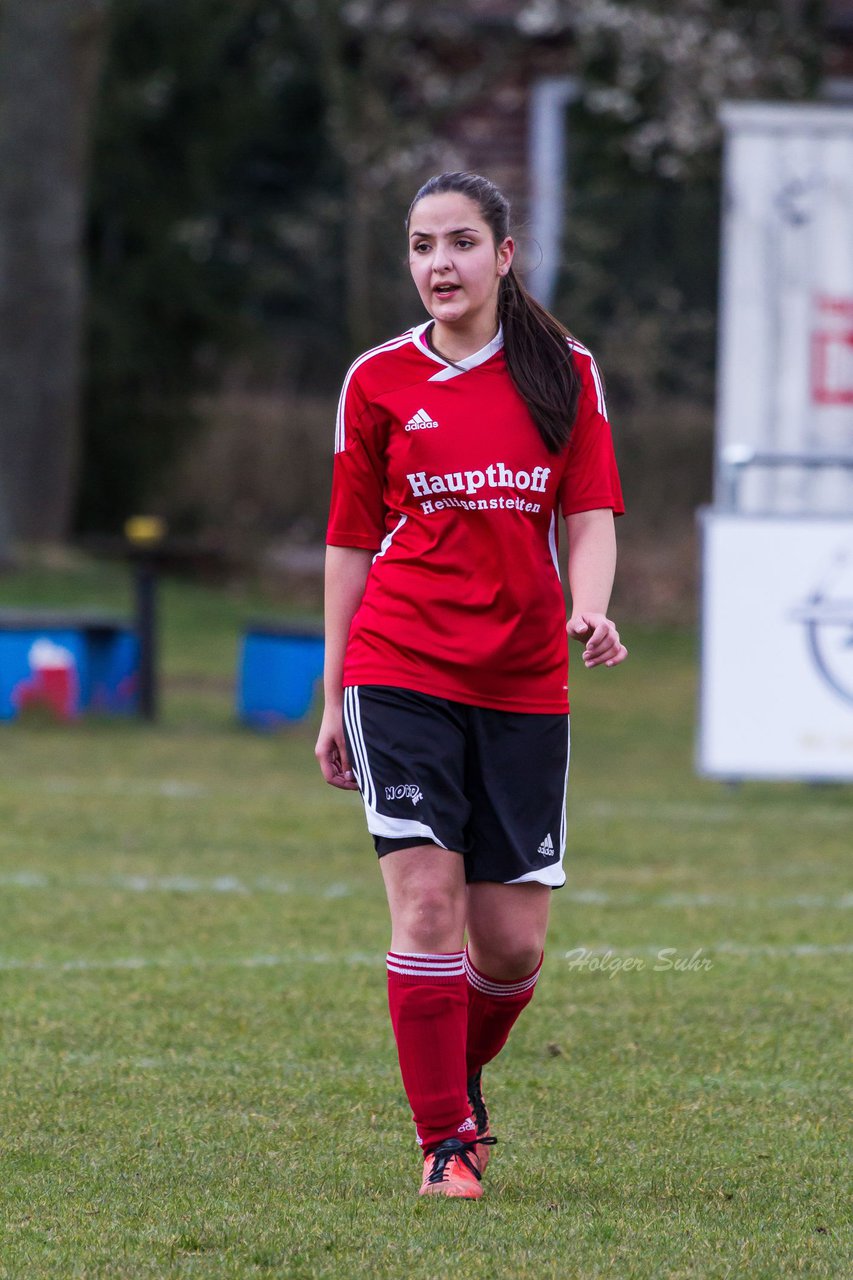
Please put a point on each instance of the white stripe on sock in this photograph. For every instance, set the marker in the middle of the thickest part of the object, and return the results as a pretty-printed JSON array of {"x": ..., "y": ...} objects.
[
  {"x": 426, "y": 964},
  {"x": 500, "y": 990},
  {"x": 447, "y": 956},
  {"x": 407, "y": 972},
  {"x": 490, "y": 988}
]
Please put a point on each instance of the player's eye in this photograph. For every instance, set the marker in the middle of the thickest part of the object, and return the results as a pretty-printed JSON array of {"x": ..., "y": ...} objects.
[
  {"x": 420, "y": 246},
  {"x": 464, "y": 244}
]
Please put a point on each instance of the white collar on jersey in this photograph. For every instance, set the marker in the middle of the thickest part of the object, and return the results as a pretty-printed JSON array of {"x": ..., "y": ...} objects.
[{"x": 447, "y": 370}]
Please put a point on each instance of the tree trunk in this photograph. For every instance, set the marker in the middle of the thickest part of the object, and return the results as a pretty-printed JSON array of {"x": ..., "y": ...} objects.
[{"x": 49, "y": 62}]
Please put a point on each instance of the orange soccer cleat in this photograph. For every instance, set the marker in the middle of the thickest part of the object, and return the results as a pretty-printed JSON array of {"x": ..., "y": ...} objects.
[{"x": 453, "y": 1169}]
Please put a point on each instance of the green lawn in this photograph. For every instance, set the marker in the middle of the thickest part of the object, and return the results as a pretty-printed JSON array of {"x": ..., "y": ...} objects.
[{"x": 197, "y": 1073}]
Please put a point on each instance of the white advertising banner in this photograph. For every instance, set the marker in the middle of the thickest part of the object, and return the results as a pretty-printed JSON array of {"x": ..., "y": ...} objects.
[
  {"x": 776, "y": 697},
  {"x": 785, "y": 363}
]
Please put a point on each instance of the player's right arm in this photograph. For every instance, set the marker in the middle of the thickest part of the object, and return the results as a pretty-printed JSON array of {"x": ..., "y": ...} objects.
[
  {"x": 346, "y": 575},
  {"x": 355, "y": 532}
]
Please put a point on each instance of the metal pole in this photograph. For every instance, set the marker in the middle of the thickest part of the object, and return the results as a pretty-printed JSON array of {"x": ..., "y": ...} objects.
[
  {"x": 146, "y": 630},
  {"x": 549, "y": 101},
  {"x": 145, "y": 533}
]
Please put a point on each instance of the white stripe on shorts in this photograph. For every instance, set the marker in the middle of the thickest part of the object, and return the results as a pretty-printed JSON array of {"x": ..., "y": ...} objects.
[
  {"x": 565, "y": 791},
  {"x": 359, "y": 764},
  {"x": 553, "y": 874},
  {"x": 378, "y": 824}
]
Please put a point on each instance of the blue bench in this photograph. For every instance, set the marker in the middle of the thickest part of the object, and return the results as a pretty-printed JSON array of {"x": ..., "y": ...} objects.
[
  {"x": 67, "y": 663},
  {"x": 279, "y": 667}
]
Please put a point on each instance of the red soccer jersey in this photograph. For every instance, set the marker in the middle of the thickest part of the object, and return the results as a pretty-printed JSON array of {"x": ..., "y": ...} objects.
[{"x": 440, "y": 469}]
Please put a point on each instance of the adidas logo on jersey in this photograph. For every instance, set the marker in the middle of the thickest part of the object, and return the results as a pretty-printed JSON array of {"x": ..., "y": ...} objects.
[
  {"x": 420, "y": 421},
  {"x": 546, "y": 848}
]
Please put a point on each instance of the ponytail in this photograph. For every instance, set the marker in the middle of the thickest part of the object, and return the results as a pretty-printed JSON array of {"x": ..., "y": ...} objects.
[
  {"x": 537, "y": 348},
  {"x": 538, "y": 354}
]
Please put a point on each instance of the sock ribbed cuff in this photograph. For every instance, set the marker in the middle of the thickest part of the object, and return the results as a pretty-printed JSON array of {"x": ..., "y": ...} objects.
[
  {"x": 493, "y": 987},
  {"x": 432, "y": 965}
]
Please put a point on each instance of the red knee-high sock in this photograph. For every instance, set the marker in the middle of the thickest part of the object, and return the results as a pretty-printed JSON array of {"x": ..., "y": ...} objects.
[
  {"x": 428, "y": 999},
  {"x": 493, "y": 1007}
]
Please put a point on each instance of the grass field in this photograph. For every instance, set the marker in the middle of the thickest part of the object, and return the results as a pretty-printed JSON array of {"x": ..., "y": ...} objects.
[{"x": 198, "y": 1076}]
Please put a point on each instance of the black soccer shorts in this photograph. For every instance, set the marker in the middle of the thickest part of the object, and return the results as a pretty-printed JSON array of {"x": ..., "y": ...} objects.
[{"x": 488, "y": 784}]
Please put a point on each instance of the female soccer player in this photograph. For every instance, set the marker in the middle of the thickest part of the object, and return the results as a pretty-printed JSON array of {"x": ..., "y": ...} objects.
[{"x": 458, "y": 444}]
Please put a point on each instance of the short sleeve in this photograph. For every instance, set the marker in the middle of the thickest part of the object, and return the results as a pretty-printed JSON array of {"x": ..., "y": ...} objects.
[
  {"x": 590, "y": 478},
  {"x": 357, "y": 511}
]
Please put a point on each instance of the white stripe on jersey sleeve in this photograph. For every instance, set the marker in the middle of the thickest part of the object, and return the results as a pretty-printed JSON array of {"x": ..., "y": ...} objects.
[
  {"x": 340, "y": 424},
  {"x": 596, "y": 376}
]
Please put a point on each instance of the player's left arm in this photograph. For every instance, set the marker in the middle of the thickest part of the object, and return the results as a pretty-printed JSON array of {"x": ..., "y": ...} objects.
[{"x": 592, "y": 565}]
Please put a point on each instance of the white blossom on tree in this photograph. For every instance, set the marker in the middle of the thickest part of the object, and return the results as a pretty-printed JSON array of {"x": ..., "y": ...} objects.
[{"x": 661, "y": 70}]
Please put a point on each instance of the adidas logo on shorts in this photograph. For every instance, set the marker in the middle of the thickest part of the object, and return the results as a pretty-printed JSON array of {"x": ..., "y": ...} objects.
[{"x": 546, "y": 848}]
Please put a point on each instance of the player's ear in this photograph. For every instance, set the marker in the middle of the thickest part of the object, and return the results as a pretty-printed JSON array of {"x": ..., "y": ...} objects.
[{"x": 506, "y": 253}]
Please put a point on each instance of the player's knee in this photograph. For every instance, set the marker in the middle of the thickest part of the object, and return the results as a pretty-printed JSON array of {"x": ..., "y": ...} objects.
[
  {"x": 510, "y": 960},
  {"x": 432, "y": 921}
]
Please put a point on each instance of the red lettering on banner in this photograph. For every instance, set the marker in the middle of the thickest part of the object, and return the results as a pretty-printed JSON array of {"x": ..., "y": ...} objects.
[{"x": 832, "y": 352}]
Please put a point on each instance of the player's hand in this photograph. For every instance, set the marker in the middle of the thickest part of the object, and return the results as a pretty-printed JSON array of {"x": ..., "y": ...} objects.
[
  {"x": 600, "y": 638},
  {"x": 331, "y": 752}
]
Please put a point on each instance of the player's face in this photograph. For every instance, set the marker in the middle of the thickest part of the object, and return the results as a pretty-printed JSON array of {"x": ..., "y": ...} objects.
[{"x": 455, "y": 263}]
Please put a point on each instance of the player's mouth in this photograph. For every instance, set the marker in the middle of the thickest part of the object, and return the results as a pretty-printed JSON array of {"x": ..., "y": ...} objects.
[{"x": 446, "y": 290}]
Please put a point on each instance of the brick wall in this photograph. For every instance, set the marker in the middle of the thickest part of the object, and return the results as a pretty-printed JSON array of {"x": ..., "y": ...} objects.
[{"x": 492, "y": 135}]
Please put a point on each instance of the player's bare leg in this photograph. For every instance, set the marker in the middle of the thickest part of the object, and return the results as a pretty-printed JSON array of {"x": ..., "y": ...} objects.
[
  {"x": 507, "y": 924},
  {"x": 428, "y": 1000},
  {"x": 426, "y": 895}
]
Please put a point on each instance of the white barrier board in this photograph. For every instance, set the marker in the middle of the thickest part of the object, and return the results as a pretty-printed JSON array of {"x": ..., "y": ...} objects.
[
  {"x": 776, "y": 698},
  {"x": 786, "y": 300}
]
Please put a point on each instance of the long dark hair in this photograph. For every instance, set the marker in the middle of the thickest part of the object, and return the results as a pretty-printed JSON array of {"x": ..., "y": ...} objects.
[{"x": 536, "y": 345}]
